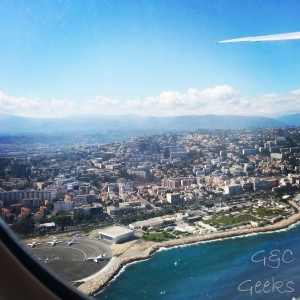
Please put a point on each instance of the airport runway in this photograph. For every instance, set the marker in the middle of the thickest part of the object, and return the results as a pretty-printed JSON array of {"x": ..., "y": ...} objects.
[{"x": 70, "y": 261}]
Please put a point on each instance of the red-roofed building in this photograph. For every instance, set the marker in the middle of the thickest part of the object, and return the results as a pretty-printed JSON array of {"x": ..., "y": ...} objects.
[
  {"x": 16, "y": 208},
  {"x": 40, "y": 214},
  {"x": 24, "y": 213},
  {"x": 7, "y": 215}
]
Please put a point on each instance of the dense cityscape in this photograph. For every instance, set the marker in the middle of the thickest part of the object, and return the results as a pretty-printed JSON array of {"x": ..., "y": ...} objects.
[
  {"x": 150, "y": 150},
  {"x": 185, "y": 182}
]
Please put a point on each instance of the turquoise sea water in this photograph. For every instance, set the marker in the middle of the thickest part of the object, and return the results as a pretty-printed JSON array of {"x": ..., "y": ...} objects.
[{"x": 264, "y": 266}]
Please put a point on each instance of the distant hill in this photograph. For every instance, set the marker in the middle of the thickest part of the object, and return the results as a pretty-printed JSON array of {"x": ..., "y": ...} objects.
[
  {"x": 291, "y": 120},
  {"x": 93, "y": 123}
]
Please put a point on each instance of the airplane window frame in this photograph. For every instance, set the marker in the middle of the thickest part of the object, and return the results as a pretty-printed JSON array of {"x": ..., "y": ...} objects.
[{"x": 46, "y": 277}]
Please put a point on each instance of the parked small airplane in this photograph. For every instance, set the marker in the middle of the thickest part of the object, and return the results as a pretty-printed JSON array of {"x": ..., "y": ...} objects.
[
  {"x": 54, "y": 242},
  {"x": 33, "y": 244},
  {"x": 73, "y": 241},
  {"x": 97, "y": 258}
]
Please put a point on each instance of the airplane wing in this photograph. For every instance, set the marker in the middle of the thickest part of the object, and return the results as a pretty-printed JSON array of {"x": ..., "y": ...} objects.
[{"x": 265, "y": 38}]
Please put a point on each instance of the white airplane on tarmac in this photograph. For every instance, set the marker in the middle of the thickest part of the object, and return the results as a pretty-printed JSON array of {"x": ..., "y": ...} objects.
[
  {"x": 33, "y": 244},
  {"x": 96, "y": 259},
  {"x": 54, "y": 242},
  {"x": 73, "y": 241}
]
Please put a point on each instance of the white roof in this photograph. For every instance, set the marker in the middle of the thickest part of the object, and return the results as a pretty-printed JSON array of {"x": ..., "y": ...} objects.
[
  {"x": 149, "y": 222},
  {"x": 47, "y": 224},
  {"x": 115, "y": 231}
]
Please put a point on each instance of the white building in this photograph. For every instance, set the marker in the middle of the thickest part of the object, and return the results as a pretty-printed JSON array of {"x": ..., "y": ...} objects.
[
  {"x": 173, "y": 198},
  {"x": 150, "y": 223},
  {"x": 233, "y": 189},
  {"x": 116, "y": 234}
]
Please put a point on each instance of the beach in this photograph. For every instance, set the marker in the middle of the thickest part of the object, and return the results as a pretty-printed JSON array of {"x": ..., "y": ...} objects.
[{"x": 136, "y": 250}]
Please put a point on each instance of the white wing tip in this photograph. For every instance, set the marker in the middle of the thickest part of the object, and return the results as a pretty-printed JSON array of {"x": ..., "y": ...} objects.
[{"x": 265, "y": 38}]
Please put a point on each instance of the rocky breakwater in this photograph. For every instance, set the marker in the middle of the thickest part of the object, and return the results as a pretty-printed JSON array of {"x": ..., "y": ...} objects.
[
  {"x": 99, "y": 282},
  {"x": 96, "y": 284}
]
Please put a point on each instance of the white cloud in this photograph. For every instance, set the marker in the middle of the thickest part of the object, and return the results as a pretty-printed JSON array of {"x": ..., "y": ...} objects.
[
  {"x": 215, "y": 100},
  {"x": 33, "y": 107},
  {"x": 278, "y": 104},
  {"x": 106, "y": 101}
]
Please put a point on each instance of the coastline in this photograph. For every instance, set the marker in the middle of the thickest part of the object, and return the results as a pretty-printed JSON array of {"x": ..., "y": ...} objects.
[{"x": 99, "y": 280}]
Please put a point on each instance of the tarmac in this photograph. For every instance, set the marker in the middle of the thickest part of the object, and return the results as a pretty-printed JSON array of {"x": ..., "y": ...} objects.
[{"x": 70, "y": 262}]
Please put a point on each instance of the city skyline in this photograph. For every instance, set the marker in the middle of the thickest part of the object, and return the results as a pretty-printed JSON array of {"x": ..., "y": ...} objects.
[{"x": 140, "y": 57}]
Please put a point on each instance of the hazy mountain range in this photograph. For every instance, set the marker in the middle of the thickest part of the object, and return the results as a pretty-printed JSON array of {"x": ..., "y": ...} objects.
[{"x": 10, "y": 124}]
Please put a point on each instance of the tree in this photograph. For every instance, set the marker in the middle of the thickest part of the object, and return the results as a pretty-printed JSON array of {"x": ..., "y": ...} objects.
[
  {"x": 50, "y": 206},
  {"x": 62, "y": 221},
  {"x": 55, "y": 199},
  {"x": 25, "y": 226},
  {"x": 144, "y": 228}
]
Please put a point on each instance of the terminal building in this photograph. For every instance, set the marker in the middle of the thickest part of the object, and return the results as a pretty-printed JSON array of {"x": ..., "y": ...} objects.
[{"x": 116, "y": 234}]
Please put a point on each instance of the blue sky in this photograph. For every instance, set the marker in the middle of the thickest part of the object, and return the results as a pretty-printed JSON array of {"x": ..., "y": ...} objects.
[{"x": 150, "y": 57}]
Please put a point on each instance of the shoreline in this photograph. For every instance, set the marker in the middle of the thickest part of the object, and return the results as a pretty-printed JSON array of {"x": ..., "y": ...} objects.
[{"x": 101, "y": 279}]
